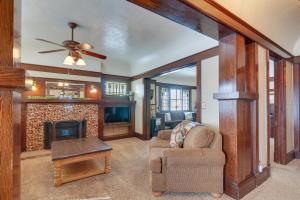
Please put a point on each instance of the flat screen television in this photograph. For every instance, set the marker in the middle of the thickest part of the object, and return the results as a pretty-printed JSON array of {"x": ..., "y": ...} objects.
[{"x": 116, "y": 114}]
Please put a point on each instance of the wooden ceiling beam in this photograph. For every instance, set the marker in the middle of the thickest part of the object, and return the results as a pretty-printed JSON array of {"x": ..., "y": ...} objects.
[
  {"x": 179, "y": 64},
  {"x": 211, "y": 19}
]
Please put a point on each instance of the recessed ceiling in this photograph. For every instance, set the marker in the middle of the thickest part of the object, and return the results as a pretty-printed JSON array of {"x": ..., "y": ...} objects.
[
  {"x": 134, "y": 39},
  {"x": 185, "y": 76}
]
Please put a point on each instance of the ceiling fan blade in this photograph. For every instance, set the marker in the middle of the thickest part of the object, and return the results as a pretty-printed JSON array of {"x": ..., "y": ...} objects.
[
  {"x": 49, "y": 42},
  {"x": 85, "y": 46},
  {"x": 96, "y": 55},
  {"x": 51, "y": 51}
]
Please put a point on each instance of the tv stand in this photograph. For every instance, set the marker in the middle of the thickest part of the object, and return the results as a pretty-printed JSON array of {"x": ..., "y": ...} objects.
[{"x": 117, "y": 130}]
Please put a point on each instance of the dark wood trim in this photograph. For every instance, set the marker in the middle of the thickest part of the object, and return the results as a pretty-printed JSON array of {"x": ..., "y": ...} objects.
[
  {"x": 12, "y": 83},
  {"x": 220, "y": 14},
  {"x": 60, "y": 70},
  {"x": 146, "y": 109},
  {"x": 168, "y": 85},
  {"x": 296, "y": 74},
  {"x": 296, "y": 60},
  {"x": 219, "y": 22},
  {"x": 47, "y": 101},
  {"x": 280, "y": 111},
  {"x": 117, "y": 137},
  {"x": 13, "y": 78},
  {"x": 249, "y": 184},
  {"x": 268, "y": 109},
  {"x": 173, "y": 86},
  {"x": 289, "y": 157},
  {"x": 179, "y": 64},
  {"x": 23, "y": 126},
  {"x": 235, "y": 96},
  {"x": 138, "y": 135},
  {"x": 198, "y": 92},
  {"x": 262, "y": 177},
  {"x": 63, "y": 80}
]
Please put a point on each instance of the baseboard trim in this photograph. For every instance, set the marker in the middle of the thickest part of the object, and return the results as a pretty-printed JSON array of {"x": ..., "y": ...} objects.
[
  {"x": 139, "y": 136},
  {"x": 239, "y": 190},
  {"x": 297, "y": 154},
  {"x": 262, "y": 177},
  {"x": 289, "y": 157}
]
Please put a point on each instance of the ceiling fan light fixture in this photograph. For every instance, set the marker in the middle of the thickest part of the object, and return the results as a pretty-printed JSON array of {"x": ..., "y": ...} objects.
[
  {"x": 69, "y": 60},
  {"x": 80, "y": 62}
]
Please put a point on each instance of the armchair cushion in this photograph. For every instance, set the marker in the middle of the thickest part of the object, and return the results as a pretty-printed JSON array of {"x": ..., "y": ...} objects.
[
  {"x": 155, "y": 159},
  {"x": 158, "y": 142},
  {"x": 199, "y": 137},
  {"x": 193, "y": 157},
  {"x": 164, "y": 134}
]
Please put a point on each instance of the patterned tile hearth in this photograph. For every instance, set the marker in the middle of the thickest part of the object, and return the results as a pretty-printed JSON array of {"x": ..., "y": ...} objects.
[{"x": 37, "y": 114}]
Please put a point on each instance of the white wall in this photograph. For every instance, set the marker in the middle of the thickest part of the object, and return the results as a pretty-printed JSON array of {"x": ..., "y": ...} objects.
[
  {"x": 289, "y": 108},
  {"x": 262, "y": 105},
  {"x": 209, "y": 86},
  {"x": 137, "y": 87}
]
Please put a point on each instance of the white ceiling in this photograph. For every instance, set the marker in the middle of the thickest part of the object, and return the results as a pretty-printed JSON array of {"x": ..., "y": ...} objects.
[
  {"x": 135, "y": 40},
  {"x": 185, "y": 76},
  {"x": 277, "y": 19}
]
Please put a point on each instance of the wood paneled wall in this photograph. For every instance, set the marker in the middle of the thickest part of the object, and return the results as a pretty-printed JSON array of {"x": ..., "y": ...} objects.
[{"x": 10, "y": 108}]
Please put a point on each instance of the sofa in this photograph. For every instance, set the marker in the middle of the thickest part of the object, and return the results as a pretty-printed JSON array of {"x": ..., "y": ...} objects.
[
  {"x": 197, "y": 167},
  {"x": 176, "y": 118}
]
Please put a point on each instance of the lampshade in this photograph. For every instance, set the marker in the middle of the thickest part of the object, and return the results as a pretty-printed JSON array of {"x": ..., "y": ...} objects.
[
  {"x": 69, "y": 60},
  {"x": 80, "y": 62}
]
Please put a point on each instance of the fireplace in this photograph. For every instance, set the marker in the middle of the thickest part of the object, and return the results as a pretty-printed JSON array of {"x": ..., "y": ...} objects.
[{"x": 63, "y": 130}]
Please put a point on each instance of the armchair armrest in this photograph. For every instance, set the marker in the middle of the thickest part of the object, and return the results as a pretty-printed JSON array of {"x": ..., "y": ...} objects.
[
  {"x": 193, "y": 157},
  {"x": 164, "y": 134}
]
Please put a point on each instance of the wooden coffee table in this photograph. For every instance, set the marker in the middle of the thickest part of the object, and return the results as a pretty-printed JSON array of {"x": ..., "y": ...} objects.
[{"x": 79, "y": 158}]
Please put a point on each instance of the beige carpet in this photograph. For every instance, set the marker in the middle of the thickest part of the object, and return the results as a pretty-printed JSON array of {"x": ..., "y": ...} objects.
[{"x": 129, "y": 179}]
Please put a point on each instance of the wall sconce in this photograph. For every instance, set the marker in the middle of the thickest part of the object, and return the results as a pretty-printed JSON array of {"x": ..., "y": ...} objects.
[
  {"x": 29, "y": 83},
  {"x": 34, "y": 87},
  {"x": 93, "y": 89}
]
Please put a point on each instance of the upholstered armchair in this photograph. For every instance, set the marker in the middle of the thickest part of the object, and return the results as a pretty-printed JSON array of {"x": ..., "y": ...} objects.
[{"x": 197, "y": 167}]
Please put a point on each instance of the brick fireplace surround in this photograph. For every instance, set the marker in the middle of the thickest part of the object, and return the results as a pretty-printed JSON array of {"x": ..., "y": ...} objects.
[{"x": 38, "y": 113}]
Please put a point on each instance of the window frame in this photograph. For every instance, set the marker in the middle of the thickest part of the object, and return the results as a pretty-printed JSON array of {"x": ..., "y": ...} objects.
[
  {"x": 113, "y": 78},
  {"x": 169, "y": 87}
]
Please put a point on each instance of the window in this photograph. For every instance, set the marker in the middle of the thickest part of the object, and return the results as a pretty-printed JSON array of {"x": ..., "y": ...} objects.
[
  {"x": 174, "y": 99},
  {"x": 113, "y": 88},
  {"x": 164, "y": 92}
]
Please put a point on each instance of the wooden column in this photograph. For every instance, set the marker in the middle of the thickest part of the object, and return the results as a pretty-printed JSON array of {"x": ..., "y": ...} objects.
[
  {"x": 297, "y": 109},
  {"x": 198, "y": 92},
  {"x": 237, "y": 96},
  {"x": 280, "y": 112},
  {"x": 12, "y": 80}
]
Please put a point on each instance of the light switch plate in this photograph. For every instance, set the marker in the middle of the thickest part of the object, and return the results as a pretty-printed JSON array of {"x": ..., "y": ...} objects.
[{"x": 203, "y": 105}]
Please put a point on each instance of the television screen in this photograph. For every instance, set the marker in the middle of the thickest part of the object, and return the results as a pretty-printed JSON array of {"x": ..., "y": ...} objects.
[{"x": 116, "y": 114}]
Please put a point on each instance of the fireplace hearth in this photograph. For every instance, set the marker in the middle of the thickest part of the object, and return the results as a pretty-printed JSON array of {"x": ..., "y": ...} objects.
[{"x": 63, "y": 130}]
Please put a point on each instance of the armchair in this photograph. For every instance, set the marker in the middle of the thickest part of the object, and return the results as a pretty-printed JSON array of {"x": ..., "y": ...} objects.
[{"x": 197, "y": 167}]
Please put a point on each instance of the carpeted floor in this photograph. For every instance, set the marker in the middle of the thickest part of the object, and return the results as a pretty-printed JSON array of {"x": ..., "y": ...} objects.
[{"x": 129, "y": 179}]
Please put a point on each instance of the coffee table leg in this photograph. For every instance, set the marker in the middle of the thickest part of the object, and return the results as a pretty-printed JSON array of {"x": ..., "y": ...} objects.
[
  {"x": 57, "y": 173},
  {"x": 107, "y": 167}
]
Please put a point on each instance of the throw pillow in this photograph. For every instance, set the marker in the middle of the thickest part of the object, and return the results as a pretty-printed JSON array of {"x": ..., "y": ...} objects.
[
  {"x": 168, "y": 117},
  {"x": 188, "y": 115},
  {"x": 178, "y": 134}
]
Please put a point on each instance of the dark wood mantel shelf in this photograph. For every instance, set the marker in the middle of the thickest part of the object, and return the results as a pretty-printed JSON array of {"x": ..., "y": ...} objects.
[{"x": 61, "y": 101}]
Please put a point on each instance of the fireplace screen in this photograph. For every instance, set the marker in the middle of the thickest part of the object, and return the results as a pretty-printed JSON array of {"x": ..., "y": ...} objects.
[{"x": 63, "y": 130}]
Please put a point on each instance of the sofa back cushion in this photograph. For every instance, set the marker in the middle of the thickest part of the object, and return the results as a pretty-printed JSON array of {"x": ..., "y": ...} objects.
[
  {"x": 177, "y": 116},
  {"x": 199, "y": 137}
]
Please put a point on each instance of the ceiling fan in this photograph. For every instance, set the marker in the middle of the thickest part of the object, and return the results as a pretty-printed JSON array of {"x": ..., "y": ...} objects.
[{"x": 75, "y": 49}]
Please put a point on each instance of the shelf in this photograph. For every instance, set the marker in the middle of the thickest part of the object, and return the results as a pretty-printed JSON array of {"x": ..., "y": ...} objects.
[
  {"x": 90, "y": 101},
  {"x": 116, "y": 124}
]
